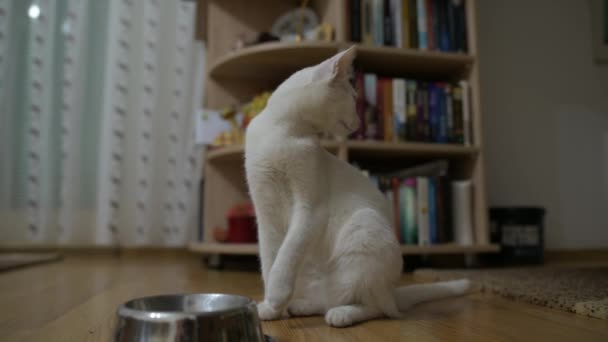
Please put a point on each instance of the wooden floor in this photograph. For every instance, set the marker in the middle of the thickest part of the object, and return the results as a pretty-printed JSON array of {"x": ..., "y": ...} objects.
[{"x": 76, "y": 299}]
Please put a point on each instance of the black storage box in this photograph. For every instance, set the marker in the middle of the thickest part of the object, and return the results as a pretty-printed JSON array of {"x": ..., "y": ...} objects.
[{"x": 520, "y": 233}]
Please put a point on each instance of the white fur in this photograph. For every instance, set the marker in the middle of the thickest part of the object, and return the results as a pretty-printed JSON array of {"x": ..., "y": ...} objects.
[{"x": 326, "y": 242}]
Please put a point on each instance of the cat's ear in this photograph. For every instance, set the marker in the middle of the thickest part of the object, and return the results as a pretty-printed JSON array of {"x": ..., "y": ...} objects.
[{"x": 337, "y": 67}]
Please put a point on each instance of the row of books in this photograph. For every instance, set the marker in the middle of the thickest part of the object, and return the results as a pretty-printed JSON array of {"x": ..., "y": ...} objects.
[
  {"x": 418, "y": 24},
  {"x": 396, "y": 109},
  {"x": 422, "y": 205}
]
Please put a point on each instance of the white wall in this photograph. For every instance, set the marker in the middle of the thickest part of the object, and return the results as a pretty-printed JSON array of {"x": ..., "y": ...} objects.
[{"x": 545, "y": 106}]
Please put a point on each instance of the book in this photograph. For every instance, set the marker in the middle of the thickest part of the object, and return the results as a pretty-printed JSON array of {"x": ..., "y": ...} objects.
[
  {"x": 458, "y": 129},
  {"x": 433, "y": 113},
  {"x": 388, "y": 23},
  {"x": 360, "y": 103},
  {"x": 399, "y": 110},
  {"x": 460, "y": 25},
  {"x": 407, "y": 199},
  {"x": 422, "y": 24},
  {"x": 367, "y": 36},
  {"x": 462, "y": 218},
  {"x": 442, "y": 109},
  {"x": 404, "y": 28},
  {"x": 442, "y": 25},
  {"x": 466, "y": 112},
  {"x": 425, "y": 124},
  {"x": 451, "y": 25},
  {"x": 378, "y": 21},
  {"x": 431, "y": 24},
  {"x": 397, "y": 23},
  {"x": 444, "y": 223},
  {"x": 422, "y": 210},
  {"x": 354, "y": 7},
  {"x": 380, "y": 108},
  {"x": 412, "y": 110},
  {"x": 396, "y": 203},
  {"x": 432, "y": 197},
  {"x": 387, "y": 109},
  {"x": 449, "y": 112},
  {"x": 413, "y": 23},
  {"x": 371, "y": 124}
]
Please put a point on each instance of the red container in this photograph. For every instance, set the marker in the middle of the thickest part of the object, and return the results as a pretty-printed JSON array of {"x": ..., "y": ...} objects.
[{"x": 241, "y": 224}]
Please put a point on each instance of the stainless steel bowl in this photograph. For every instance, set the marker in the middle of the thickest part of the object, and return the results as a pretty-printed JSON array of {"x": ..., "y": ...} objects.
[{"x": 190, "y": 317}]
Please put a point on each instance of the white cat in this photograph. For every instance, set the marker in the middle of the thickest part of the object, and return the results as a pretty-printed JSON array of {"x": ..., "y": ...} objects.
[{"x": 326, "y": 242}]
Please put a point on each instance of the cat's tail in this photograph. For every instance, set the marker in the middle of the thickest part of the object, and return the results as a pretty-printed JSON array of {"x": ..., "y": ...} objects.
[{"x": 407, "y": 296}]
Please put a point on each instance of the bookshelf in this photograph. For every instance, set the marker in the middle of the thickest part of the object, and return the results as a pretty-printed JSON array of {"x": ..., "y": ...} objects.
[{"x": 236, "y": 76}]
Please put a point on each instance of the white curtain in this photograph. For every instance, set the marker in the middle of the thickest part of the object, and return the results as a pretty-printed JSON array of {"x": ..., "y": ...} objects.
[{"x": 97, "y": 102}]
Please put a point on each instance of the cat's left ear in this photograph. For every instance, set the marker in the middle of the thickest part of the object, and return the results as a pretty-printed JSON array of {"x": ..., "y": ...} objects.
[{"x": 337, "y": 67}]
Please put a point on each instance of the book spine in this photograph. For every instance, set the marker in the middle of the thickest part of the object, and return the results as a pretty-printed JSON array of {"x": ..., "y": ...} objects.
[
  {"x": 360, "y": 89},
  {"x": 422, "y": 25},
  {"x": 380, "y": 109},
  {"x": 387, "y": 92},
  {"x": 433, "y": 113},
  {"x": 466, "y": 112},
  {"x": 378, "y": 18},
  {"x": 388, "y": 24},
  {"x": 409, "y": 205},
  {"x": 404, "y": 25},
  {"x": 367, "y": 22},
  {"x": 443, "y": 118},
  {"x": 371, "y": 124},
  {"x": 396, "y": 224},
  {"x": 442, "y": 19},
  {"x": 412, "y": 110},
  {"x": 426, "y": 119},
  {"x": 449, "y": 112},
  {"x": 443, "y": 214},
  {"x": 461, "y": 26},
  {"x": 355, "y": 20},
  {"x": 451, "y": 23},
  {"x": 430, "y": 25},
  {"x": 422, "y": 210},
  {"x": 399, "y": 110},
  {"x": 457, "y": 111},
  {"x": 433, "y": 229},
  {"x": 397, "y": 20},
  {"x": 413, "y": 22}
]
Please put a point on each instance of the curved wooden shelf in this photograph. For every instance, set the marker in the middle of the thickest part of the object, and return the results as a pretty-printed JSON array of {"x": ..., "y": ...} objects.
[
  {"x": 277, "y": 60},
  {"x": 367, "y": 148},
  {"x": 252, "y": 249}
]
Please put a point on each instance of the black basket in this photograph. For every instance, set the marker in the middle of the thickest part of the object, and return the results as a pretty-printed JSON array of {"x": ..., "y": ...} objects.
[{"x": 520, "y": 233}]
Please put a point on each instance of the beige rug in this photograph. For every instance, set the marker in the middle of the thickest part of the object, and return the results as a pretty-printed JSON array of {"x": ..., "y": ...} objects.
[
  {"x": 582, "y": 290},
  {"x": 10, "y": 261}
]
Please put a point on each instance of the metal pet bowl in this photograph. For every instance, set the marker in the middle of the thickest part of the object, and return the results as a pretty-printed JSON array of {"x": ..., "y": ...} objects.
[{"x": 191, "y": 318}]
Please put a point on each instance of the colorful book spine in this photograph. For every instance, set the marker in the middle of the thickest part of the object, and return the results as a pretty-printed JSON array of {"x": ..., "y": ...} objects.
[
  {"x": 378, "y": 22},
  {"x": 407, "y": 198},
  {"x": 355, "y": 20},
  {"x": 422, "y": 25},
  {"x": 397, "y": 21},
  {"x": 399, "y": 110},
  {"x": 412, "y": 110},
  {"x": 387, "y": 108},
  {"x": 422, "y": 210},
  {"x": 371, "y": 129}
]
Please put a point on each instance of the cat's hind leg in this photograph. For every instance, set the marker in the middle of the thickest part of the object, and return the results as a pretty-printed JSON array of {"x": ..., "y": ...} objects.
[{"x": 347, "y": 315}]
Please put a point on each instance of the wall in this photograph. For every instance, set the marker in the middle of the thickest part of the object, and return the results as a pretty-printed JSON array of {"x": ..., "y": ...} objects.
[{"x": 545, "y": 105}]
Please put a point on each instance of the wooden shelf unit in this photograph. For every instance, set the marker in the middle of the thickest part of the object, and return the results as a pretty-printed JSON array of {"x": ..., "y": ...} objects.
[{"x": 236, "y": 76}]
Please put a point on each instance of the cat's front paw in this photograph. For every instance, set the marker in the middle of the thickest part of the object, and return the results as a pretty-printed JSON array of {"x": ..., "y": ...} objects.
[{"x": 268, "y": 313}]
